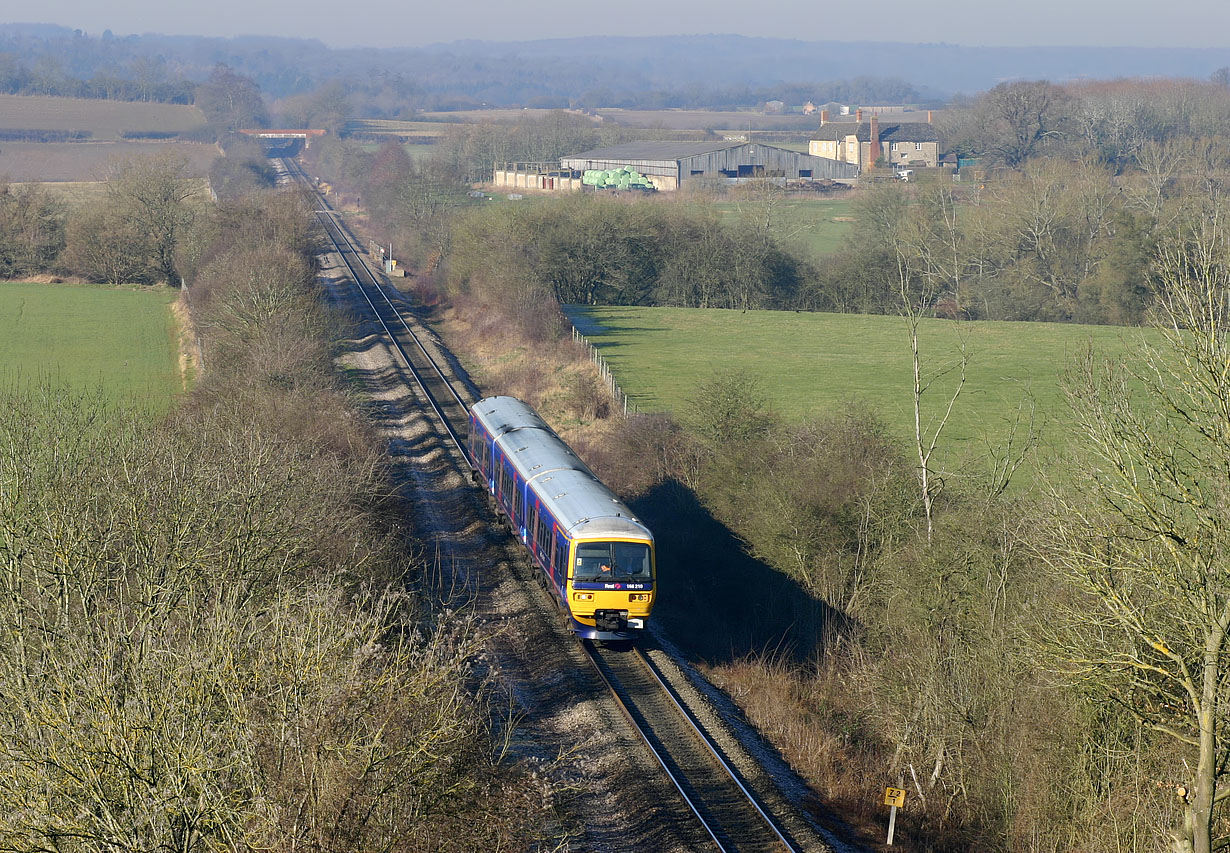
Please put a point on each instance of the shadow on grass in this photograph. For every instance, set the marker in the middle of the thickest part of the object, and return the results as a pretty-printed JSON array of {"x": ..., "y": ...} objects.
[{"x": 716, "y": 600}]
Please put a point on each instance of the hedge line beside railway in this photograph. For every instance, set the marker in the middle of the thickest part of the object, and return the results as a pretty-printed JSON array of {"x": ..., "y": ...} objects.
[{"x": 210, "y": 639}]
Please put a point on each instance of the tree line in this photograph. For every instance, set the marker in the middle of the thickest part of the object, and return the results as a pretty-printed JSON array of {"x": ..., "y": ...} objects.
[
  {"x": 608, "y": 251},
  {"x": 132, "y": 231},
  {"x": 211, "y": 636},
  {"x": 386, "y": 84}
]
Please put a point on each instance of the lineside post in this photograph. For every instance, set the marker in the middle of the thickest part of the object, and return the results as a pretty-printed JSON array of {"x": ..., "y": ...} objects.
[{"x": 893, "y": 797}]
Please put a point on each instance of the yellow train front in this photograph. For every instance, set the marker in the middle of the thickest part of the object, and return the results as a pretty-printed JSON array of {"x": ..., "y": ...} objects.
[{"x": 595, "y": 555}]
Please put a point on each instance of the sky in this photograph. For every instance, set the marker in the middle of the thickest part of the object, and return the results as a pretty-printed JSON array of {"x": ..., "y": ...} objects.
[{"x": 394, "y": 23}]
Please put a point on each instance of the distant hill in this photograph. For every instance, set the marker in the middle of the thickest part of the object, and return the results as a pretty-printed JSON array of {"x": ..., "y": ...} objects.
[
  {"x": 641, "y": 71},
  {"x": 938, "y": 68}
]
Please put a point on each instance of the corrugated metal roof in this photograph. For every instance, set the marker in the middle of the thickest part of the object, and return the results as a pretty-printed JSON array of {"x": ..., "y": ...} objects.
[{"x": 651, "y": 150}]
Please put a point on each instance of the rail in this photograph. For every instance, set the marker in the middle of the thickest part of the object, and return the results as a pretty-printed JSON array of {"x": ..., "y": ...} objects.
[
  {"x": 345, "y": 244},
  {"x": 725, "y": 836}
]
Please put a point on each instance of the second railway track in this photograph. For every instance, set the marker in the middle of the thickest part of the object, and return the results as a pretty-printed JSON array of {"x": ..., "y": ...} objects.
[
  {"x": 731, "y": 815},
  {"x": 448, "y": 404}
]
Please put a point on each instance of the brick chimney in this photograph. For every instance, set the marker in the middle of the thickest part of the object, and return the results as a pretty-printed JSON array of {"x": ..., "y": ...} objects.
[
  {"x": 874, "y": 139},
  {"x": 858, "y": 114},
  {"x": 928, "y": 116},
  {"x": 824, "y": 117}
]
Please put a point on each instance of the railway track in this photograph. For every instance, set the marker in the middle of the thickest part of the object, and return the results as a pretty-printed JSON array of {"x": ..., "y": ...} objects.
[
  {"x": 729, "y": 813},
  {"x": 449, "y": 406}
]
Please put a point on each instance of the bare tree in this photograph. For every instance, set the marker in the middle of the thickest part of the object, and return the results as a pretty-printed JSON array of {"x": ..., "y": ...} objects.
[
  {"x": 917, "y": 244},
  {"x": 102, "y": 246},
  {"x": 152, "y": 196},
  {"x": 1161, "y": 164},
  {"x": 1145, "y": 541},
  {"x": 231, "y": 101},
  {"x": 1021, "y": 116},
  {"x": 915, "y": 305},
  {"x": 31, "y": 230}
]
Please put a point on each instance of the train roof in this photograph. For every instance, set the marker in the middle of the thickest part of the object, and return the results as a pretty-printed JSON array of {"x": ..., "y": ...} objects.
[
  {"x": 504, "y": 414},
  {"x": 581, "y": 503}
]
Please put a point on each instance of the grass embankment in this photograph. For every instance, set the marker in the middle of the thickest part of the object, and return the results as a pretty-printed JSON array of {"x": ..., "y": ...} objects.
[
  {"x": 813, "y": 364},
  {"x": 816, "y": 225},
  {"x": 119, "y": 340}
]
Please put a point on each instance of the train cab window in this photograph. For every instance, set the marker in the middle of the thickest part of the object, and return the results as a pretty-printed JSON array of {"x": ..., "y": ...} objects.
[
  {"x": 561, "y": 557},
  {"x": 612, "y": 561}
]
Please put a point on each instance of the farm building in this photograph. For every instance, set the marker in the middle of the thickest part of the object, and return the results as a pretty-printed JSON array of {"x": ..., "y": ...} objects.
[
  {"x": 668, "y": 164},
  {"x": 862, "y": 143}
]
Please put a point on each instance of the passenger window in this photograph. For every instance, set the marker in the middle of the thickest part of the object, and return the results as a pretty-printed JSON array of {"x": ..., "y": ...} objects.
[{"x": 544, "y": 542}]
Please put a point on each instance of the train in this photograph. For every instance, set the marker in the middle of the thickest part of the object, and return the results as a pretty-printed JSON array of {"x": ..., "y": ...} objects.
[{"x": 595, "y": 556}]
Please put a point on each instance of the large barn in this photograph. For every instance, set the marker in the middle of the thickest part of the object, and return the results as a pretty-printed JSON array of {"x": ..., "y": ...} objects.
[{"x": 669, "y": 164}]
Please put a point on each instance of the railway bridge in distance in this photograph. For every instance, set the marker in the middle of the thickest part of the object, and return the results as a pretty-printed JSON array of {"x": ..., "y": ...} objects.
[{"x": 306, "y": 134}]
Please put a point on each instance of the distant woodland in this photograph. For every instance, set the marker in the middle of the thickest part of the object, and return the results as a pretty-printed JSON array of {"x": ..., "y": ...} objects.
[{"x": 651, "y": 72}]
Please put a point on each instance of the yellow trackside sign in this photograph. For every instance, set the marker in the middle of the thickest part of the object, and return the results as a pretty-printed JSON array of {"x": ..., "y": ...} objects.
[{"x": 894, "y": 797}]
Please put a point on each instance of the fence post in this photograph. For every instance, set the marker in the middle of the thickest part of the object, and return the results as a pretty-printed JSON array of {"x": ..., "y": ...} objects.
[{"x": 605, "y": 372}]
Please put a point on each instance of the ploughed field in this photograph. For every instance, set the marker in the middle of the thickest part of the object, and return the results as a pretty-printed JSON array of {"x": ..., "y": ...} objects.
[
  {"x": 36, "y": 162},
  {"x": 78, "y": 139},
  {"x": 105, "y": 120},
  {"x": 818, "y": 364},
  {"x": 119, "y": 341}
]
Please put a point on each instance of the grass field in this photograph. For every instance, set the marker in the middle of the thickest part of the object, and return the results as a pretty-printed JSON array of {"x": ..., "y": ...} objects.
[
  {"x": 501, "y": 115},
  {"x": 420, "y": 129},
  {"x": 107, "y": 119},
  {"x": 817, "y": 364},
  {"x": 702, "y": 119},
  {"x": 119, "y": 340},
  {"x": 817, "y": 225},
  {"x": 72, "y": 193},
  {"x": 89, "y": 161}
]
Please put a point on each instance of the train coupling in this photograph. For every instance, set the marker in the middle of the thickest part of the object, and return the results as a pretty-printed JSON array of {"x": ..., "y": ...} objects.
[{"x": 611, "y": 620}]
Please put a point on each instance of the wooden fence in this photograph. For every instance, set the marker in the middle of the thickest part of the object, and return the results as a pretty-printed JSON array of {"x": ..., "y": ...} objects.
[{"x": 604, "y": 370}]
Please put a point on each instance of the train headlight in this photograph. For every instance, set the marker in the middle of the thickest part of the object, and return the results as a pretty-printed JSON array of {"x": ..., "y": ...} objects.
[
  {"x": 583, "y": 596},
  {"x": 638, "y": 596}
]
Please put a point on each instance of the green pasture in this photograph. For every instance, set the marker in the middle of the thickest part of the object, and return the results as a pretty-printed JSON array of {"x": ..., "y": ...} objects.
[
  {"x": 819, "y": 364},
  {"x": 394, "y": 127},
  {"x": 816, "y": 225},
  {"x": 119, "y": 340}
]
